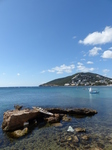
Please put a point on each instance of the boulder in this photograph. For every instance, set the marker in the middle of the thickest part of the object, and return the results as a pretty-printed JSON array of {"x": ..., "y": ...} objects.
[
  {"x": 53, "y": 119},
  {"x": 13, "y": 120},
  {"x": 16, "y": 119}
]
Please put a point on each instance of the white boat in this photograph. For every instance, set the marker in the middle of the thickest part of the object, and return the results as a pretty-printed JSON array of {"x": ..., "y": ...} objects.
[{"x": 93, "y": 91}]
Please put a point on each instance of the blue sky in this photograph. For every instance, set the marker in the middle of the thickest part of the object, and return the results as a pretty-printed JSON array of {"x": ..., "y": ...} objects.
[{"x": 41, "y": 40}]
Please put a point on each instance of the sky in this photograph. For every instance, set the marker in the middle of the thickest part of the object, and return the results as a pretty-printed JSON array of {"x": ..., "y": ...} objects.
[{"x": 42, "y": 40}]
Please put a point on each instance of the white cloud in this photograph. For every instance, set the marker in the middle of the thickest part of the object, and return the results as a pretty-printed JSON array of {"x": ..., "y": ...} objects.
[
  {"x": 84, "y": 53},
  {"x": 74, "y": 37},
  {"x": 98, "y": 37},
  {"x": 18, "y": 74},
  {"x": 61, "y": 69},
  {"x": 110, "y": 48},
  {"x": 107, "y": 54},
  {"x": 43, "y": 71},
  {"x": 94, "y": 51},
  {"x": 106, "y": 70},
  {"x": 89, "y": 62},
  {"x": 82, "y": 68}
]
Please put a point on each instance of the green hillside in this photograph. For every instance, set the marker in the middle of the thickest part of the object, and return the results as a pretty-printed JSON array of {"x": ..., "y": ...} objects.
[{"x": 80, "y": 79}]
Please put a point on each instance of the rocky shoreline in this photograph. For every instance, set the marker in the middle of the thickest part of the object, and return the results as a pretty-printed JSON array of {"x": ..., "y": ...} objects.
[
  {"x": 68, "y": 132},
  {"x": 17, "y": 121}
]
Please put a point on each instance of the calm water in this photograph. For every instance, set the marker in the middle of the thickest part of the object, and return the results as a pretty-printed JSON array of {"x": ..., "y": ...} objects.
[{"x": 99, "y": 127}]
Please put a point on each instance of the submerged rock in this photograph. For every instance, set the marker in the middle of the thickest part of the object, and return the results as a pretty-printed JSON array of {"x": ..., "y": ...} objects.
[
  {"x": 110, "y": 141},
  {"x": 96, "y": 148},
  {"x": 57, "y": 124},
  {"x": 80, "y": 130},
  {"x": 19, "y": 133},
  {"x": 75, "y": 139},
  {"x": 85, "y": 137},
  {"x": 65, "y": 118},
  {"x": 69, "y": 138}
]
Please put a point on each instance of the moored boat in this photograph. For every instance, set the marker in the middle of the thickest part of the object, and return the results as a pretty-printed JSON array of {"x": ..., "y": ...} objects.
[{"x": 91, "y": 91}]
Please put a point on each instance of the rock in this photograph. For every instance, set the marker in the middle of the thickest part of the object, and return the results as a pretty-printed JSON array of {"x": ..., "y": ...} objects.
[
  {"x": 83, "y": 111},
  {"x": 57, "y": 124},
  {"x": 65, "y": 118},
  {"x": 69, "y": 138},
  {"x": 72, "y": 146},
  {"x": 19, "y": 133},
  {"x": 18, "y": 107},
  {"x": 110, "y": 135},
  {"x": 75, "y": 139},
  {"x": 70, "y": 129},
  {"x": 80, "y": 130},
  {"x": 13, "y": 120},
  {"x": 110, "y": 141},
  {"x": 96, "y": 148},
  {"x": 85, "y": 137},
  {"x": 53, "y": 119}
]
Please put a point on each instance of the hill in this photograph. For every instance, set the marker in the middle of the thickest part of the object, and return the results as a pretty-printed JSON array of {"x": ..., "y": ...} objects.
[{"x": 80, "y": 79}]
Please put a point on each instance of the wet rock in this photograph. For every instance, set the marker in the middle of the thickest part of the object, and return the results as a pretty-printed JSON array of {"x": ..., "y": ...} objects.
[
  {"x": 100, "y": 145},
  {"x": 15, "y": 119},
  {"x": 18, "y": 107},
  {"x": 69, "y": 138},
  {"x": 96, "y": 148},
  {"x": 53, "y": 119},
  {"x": 65, "y": 118},
  {"x": 110, "y": 141},
  {"x": 62, "y": 140},
  {"x": 72, "y": 146},
  {"x": 19, "y": 133},
  {"x": 110, "y": 135},
  {"x": 85, "y": 137},
  {"x": 75, "y": 139},
  {"x": 87, "y": 147},
  {"x": 57, "y": 124},
  {"x": 82, "y": 111},
  {"x": 80, "y": 130}
]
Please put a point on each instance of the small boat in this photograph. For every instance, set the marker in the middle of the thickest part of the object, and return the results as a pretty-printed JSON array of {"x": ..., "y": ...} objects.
[{"x": 93, "y": 91}]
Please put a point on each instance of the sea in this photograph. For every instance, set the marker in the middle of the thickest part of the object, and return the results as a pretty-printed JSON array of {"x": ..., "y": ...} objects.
[{"x": 53, "y": 137}]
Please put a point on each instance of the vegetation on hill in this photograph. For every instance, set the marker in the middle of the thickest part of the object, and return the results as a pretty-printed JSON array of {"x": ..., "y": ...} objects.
[{"x": 80, "y": 79}]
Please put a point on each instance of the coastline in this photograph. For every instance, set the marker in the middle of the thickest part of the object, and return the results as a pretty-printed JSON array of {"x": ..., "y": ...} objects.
[{"x": 98, "y": 128}]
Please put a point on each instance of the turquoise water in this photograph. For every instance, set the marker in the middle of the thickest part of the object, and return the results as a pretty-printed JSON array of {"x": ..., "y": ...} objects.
[{"x": 64, "y": 97}]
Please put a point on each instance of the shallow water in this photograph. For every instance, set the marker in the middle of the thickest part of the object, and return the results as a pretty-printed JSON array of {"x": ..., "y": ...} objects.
[{"x": 98, "y": 128}]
